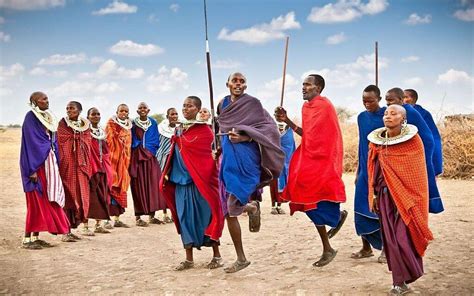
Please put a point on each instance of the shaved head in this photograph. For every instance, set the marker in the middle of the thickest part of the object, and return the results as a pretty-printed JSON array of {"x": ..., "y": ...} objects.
[
  {"x": 236, "y": 74},
  {"x": 399, "y": 109},
  {"x": 36, "y": 96},
  {"x": 143, "y": 104}
]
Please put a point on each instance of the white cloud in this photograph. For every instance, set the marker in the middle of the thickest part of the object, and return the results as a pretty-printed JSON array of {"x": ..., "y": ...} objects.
[
  {"x": 5, "y": 91},
  {"x": 336, "y": 39},
  {"x": 60, "y": 59},
  {"x": 31, "y": 4},
  {"x": 410, "y": 59},
  {"x": 130, "y": 48},
  {"x": 2, "y": 20},
  {"x": 415, "y": 19},
  {"x": 345, "y": 11},
  {"x": 37, "y": 71},
  {"x": 271, "y": 90},
  {"x": 11, "y": 72},
  {"x": 454, "y": 76},
  {"x": 116, "y": 7},
  {"x": 107, "y": 87},
  {"x": 465, "y": 15},
  {"x": 167, "y": 80},
  {"x": 174, "y": 7},
  {"x": 110, "y": 68},
  {"x": 350, "y": 74},
  {"x": 97, "y": 60},
  {"x": 59, "y": 74},
  {"x": 412, "y": 82},
  {"x": 262, "y": 33},
  {"x": 87, "y": 88},
  {"x": 4, "y": 37},
  {"x": 226, "y": 64}
]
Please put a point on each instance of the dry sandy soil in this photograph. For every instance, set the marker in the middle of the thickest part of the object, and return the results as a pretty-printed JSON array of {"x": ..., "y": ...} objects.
[{"x": 141, "y": 260}]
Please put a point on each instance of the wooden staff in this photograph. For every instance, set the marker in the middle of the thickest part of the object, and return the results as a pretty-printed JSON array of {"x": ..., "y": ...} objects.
[
  {"x": 284, "y": 72},
  {"x": 376, "y": 63},
  {"x": 209, "y": 78}
]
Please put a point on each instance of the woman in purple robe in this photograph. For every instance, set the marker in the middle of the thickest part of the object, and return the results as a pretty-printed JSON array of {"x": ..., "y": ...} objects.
[{"x": 40, "y": 175}]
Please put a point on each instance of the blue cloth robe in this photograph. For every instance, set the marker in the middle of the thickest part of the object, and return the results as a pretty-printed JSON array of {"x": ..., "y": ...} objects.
[
  {"x": 438, "y": 150},
  {"x": 192, "y": 209},
  {"x": 151, "y": 138},
  {"x": 287, "y": 141},
  {"x": 413, "y": 117},
  {"x": 366, "y": 222},
  {"x": 240, "y": 167}
]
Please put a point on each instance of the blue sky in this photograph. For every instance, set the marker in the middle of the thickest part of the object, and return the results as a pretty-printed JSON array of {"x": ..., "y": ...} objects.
[{"x": 103, "y": 53}]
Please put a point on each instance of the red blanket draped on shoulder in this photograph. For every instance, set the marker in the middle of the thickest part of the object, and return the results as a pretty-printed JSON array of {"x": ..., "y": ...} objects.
[
  {"x": 404, "y": 170},
  {"x": 316, "y": 166},
  {"x": 75, "y": 168},
  {"x": 195, "y": 147}
]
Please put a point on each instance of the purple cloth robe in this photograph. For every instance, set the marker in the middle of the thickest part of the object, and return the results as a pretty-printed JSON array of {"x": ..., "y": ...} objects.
[
  {"x": 403, "y": 260},
  {"x": 36, "y": 142},
  {"x": 247, "y": 115}
]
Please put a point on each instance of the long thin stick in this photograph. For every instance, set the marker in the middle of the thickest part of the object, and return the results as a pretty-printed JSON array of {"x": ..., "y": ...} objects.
[
  {"x": 376, "y": 63},
  {"x": 284, "y": 72},
  {"x": 209, "y": 77}
]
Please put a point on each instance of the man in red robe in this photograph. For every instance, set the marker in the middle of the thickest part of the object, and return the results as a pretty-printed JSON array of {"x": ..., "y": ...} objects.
[{"x": 314, "y": 180}]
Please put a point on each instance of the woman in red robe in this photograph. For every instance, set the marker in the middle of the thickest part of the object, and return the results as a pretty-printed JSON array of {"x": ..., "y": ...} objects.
[
  {"x": 101, "y": 179},
  {"x": 74, "y": 140}
]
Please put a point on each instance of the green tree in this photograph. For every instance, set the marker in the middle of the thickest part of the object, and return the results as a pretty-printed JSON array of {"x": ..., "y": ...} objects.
[
  {"x": 343, "y": 114},
  {"x": 159, "y": 117}
]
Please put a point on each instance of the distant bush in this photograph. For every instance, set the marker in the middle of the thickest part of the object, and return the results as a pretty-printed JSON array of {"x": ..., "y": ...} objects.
[{"x": 458, "y": 148}]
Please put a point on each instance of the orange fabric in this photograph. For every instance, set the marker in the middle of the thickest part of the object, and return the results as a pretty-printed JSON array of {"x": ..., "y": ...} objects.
[
  {"x": 119, "y": 141},
  {"x": 404, "y": 170}
]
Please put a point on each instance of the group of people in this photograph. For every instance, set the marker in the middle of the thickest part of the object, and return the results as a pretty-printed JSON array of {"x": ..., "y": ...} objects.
[{"x": 206, "y": 174}]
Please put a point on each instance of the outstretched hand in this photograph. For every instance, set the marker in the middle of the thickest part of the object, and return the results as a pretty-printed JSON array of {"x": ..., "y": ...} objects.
[{"x": 280, "y": 114}]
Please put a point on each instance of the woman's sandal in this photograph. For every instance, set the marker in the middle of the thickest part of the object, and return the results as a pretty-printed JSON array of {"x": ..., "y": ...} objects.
[
  {"x": 141, "y": 223},
  {"x": 215, "y": 262},
  {"x": 236, "y": 266},
  {"x": 43, "y": 244},
  {"x": 184, "y": 265},
  {"x": 30, "y": 246}
]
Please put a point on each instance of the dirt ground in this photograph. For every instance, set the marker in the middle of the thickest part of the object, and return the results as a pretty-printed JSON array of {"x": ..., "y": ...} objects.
[{"x": 141, "y": 260}]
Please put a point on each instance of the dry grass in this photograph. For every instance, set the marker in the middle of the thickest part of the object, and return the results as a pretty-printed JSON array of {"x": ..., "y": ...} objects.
[
  {"x": 457, "y": 141},
  {"x": 458, "y": 149}
]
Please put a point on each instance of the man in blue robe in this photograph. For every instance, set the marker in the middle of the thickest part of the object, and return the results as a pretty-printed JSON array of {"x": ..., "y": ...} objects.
[
  {"x": 366, "y": 222},
  {"x": 251, "y": 158},
  {"x": 411, "y": 97},
  {"x": 287, "y": 141},
  {"x": 395, "y": 96}
]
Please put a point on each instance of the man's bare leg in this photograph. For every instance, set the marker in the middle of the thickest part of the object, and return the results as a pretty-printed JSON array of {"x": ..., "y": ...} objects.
[
  {"x": 236, "y": 234},
  {"x": 328, "y": 252}
]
